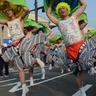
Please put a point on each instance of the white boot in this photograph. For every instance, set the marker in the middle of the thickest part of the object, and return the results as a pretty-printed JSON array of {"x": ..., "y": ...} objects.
[
  {"x": 41, "y": 64},
  {"x": 82, "y": 92},
  {"x": 68, "y": 69},
  {"x": 31, "y": 81},
  {"x": 62, "y": 71},
  {"x": 50, "y": 66},
  {"x": 95, "y": 67},
  {"x": 91, "y": 71},
  {"x": 24, "y": 90},
  {"x": 43, "y": 73}
]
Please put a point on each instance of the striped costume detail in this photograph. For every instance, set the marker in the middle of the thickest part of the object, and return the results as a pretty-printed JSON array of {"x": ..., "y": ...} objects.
[
  {"x": 41, "y": 47},
  {"x": 26, "y": 47},
  {"x": 86, "y": 55},
  {"x": 7, "y": 55},
  {"x": 11, "y": 53},
  {"x": 19, "y": 64},
  {"x": 64, "y": 55},
  {"x": 28, "y": 43},
  {"x": 49, "y": 56},
  {"x": 59, "y": 60},
  {"x": 22, "y": 53},
  {"x": 36, "y": 53}
]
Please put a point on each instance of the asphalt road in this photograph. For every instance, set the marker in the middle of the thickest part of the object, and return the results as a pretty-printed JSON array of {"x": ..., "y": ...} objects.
[{"x": 55, "y": 84}]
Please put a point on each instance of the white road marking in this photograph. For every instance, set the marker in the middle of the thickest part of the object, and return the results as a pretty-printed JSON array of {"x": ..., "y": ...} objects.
[
  {"x": 9, "y": 84},
  {"x": 35, "y": 70},
  {"x": 44, "y": 81},
  {"x": 85, "y": 89},
  {"x": 18, "y": 84},
  {"x": 28, "y": 72},
  {"x": 7, "y": 80},
  {"x": 15, "y": 87}
]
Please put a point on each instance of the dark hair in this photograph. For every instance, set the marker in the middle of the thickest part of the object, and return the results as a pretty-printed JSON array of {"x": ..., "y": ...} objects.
[
  {"x": 29, "y": 28},
  {"x": 40, "y": 29},
  {"x": 8, "y": 9}
]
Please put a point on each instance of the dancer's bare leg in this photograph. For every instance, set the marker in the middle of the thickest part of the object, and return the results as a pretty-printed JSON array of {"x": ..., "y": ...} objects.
[
  {"x": 79, "y": 81},
  {"x": 42, "y": 65},
  {"x": 31, "y": 76},
  {"x": 22, "y": 76},
  {"x": 22, "y": 79}
]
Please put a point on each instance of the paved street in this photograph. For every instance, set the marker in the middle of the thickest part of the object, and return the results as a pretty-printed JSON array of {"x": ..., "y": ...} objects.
[{"x": 55, "y": 84}]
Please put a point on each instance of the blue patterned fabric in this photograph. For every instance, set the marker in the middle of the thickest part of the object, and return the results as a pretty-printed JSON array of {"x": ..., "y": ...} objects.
[{"x": 72, "y": 3}]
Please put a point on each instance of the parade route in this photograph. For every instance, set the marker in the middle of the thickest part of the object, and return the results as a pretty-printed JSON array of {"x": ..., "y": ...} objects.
[{"x": 55, "y": 84}]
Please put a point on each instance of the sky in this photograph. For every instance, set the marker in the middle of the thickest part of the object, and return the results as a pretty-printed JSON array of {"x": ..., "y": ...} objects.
[{"x": 90, "y": 11}]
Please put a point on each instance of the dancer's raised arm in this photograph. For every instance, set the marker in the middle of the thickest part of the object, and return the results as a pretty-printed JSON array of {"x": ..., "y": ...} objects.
[
  {"x": 3, "y": 21},
  {"x": 49, "y": 13},
  {"x": 80, "y": 10},
  {"x": 25, "y": 12}
]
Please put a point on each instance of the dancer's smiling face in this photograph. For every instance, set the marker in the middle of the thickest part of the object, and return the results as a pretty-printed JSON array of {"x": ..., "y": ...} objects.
[
  {"x": 63, "y": 11},
  {"x": 10, "y": 13}
]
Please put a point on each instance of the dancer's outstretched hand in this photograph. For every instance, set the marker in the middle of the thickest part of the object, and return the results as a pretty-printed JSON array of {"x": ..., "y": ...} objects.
[{"x": 51, "y": 1}]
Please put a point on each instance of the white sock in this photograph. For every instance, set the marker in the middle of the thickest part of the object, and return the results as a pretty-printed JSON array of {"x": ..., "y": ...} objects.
[
  {"x": 62, "y": 71},
  {"x": 24, "y": 90},
  {"x": 43, "y": 73},
  {"x": 50, "y": 66},
  {"x": 31, "y": 81},
  {"x": 91, "y": 71},
  {"x": 82, "y": 92},
  {"x": 69, "y": 70}
]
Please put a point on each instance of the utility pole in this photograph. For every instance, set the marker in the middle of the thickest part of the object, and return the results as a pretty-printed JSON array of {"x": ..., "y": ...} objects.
[{"x": 36, "y": 11}]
